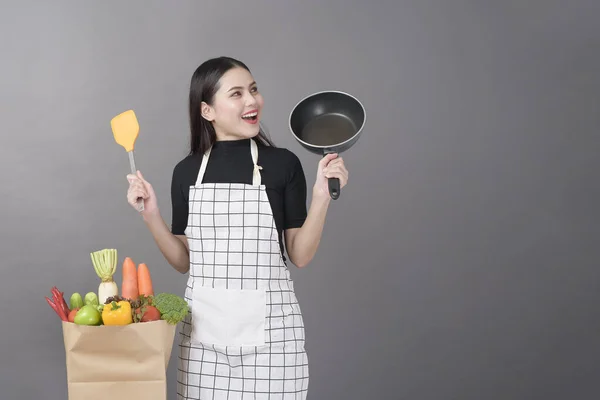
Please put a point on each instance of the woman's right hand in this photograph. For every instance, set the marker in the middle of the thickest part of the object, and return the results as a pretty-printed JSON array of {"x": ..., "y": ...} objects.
[
  {"x": 139, "y": 187},
  {"x": 173, "y": 248}
]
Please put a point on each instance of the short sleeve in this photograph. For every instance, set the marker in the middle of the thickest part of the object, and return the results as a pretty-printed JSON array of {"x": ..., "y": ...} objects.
[
  {"x": 295, "y": 195},
  {"x": 179, "y": 203}
]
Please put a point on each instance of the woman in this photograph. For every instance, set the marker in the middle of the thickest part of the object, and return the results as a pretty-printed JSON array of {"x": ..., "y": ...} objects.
[{"x": 235, "y": 199}]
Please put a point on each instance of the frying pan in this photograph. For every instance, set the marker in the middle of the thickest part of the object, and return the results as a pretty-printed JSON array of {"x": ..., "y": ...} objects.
[{"x": 328, "y": 122}]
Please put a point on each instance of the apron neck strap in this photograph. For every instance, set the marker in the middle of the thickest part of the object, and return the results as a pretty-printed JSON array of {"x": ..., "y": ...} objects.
[{"x": 256, "y": 177}]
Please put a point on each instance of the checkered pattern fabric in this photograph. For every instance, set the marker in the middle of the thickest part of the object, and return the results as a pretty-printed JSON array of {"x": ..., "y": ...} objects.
[{"x": 234, "y": 244}]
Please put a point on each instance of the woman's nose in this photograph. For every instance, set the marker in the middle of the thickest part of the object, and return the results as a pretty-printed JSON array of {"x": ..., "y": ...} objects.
[{"x": 250, "y": 100}]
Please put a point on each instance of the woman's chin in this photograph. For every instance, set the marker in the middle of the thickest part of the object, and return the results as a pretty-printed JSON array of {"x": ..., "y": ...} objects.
[
  {"x": 250, "y": 131},
  {"x": 244, "y": 131}
]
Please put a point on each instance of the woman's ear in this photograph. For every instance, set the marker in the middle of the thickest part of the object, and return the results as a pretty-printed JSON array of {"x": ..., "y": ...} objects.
[{"x": 207, "y": 112}]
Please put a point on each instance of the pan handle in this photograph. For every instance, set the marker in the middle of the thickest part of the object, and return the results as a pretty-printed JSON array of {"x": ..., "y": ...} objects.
[{"x": 334, "y": 188}]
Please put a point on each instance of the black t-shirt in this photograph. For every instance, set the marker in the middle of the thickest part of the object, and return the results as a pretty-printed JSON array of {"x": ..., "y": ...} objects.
[{"x": 231, "y": 162}]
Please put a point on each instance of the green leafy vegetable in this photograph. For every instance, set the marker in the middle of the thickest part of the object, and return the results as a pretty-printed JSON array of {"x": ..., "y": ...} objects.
[{"x": 173, "y": 308}]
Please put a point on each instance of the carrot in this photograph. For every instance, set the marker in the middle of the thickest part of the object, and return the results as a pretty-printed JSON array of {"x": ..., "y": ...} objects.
[
  {"x": 144, "y": 280},
  {"x": 129, "y": 288}
]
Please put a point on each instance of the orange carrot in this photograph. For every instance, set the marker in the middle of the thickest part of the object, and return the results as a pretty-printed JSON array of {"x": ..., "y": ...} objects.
[
  {"x": 144, "y": 280},
  {"x": 129, "y": 288}
]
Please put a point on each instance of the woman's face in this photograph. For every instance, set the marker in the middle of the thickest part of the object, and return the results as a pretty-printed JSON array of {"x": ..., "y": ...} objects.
[{"x": 237, "y": 105}]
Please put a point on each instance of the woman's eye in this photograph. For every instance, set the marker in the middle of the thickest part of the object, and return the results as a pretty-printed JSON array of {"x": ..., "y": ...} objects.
[
  {"x": 254, "y": 90},
  {"x": 236, "y": 93}
]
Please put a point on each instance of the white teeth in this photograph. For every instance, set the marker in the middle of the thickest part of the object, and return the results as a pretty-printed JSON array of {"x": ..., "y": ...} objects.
[{"x": 254, "y": 114}]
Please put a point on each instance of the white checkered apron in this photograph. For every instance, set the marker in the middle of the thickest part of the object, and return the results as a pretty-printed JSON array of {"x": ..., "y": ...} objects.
[{"x": 244, "y": 337}]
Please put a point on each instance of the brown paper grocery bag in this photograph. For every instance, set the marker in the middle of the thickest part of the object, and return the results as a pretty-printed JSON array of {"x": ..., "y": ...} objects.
[{"x": 118, "y": 362}]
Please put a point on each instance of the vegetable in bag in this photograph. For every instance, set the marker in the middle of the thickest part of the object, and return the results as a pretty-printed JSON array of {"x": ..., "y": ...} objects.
[{"x": 105, "y": 265}]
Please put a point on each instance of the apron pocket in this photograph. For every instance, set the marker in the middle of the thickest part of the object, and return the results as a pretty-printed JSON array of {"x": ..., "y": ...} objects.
[{"x": 228, "y": 317}]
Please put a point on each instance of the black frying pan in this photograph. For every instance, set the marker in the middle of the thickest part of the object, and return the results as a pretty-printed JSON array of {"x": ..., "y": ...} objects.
[{"x": 328, "y": 122}]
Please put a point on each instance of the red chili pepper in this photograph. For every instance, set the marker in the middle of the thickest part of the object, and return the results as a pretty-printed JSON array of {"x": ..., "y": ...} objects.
[
  {"x": 64, "y": 303},
  {"x": 55, "y": 298},
  {"x": 60, "y": 300},
  {"x": 59, "y": 311},
  {"x": 59, "y": 304}
]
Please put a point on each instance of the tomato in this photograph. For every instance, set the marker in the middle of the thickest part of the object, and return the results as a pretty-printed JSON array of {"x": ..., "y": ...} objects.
[
  {"x": 72, "y": 314},
  {"x": 151, "y": 314}
]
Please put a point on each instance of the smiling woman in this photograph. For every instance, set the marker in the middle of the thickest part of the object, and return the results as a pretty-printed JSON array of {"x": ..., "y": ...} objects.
[
  {"x": 224, "y": 104},
  {"x": 236, "y": 199}
]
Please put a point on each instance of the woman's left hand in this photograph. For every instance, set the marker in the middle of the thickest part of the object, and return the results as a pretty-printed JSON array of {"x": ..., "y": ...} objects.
[{"x": 330, "y": 166}]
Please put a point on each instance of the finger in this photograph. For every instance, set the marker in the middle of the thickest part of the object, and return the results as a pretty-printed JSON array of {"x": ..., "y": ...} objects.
[
  {"x": 139, "y": 174},
  {"x": 146, "y": 183},
  {"x": 325, "y": 160},
  {"x": 137, "y": 186},
  {"x": 337, "y": 161},
  {"x": 137, "y": 193},
  {"x": 343, "y": 169},
  {"x": 141, "y": 191},
  {"x": 134, "y": 202},
  {"x": 132, "y": 178},
  {"x": 138, "y": 183},
  {"x": 335, "y": 169}
]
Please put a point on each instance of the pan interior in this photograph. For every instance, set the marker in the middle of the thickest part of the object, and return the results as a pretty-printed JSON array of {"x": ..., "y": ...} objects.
[{"x": 328, "y": 129}]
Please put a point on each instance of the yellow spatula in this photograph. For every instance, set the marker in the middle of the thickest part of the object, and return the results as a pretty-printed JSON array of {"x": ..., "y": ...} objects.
[{"x": 125, "y": 129}]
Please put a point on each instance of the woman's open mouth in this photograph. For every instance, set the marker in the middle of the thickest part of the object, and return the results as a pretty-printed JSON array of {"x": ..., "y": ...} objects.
[{"x": 251, "y": 117}]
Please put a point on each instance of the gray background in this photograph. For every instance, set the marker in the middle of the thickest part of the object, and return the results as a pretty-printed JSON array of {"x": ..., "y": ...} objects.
[{"x": 461, "y": 261}]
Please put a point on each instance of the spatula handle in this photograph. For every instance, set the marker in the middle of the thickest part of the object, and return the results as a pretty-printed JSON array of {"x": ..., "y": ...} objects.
[{"x": 140, "y": 201}]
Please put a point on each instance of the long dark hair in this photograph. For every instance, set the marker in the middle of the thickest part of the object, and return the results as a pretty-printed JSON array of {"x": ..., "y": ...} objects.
[{"x": 203, "y": 86}]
